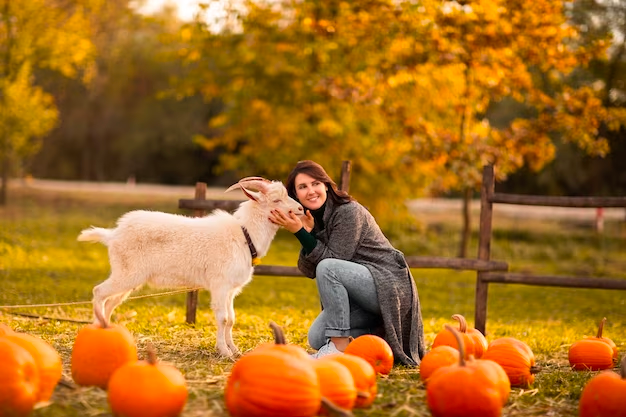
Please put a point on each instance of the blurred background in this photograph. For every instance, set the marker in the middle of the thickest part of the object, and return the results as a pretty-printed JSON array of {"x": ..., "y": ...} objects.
[{"x": 418, "y": 94}]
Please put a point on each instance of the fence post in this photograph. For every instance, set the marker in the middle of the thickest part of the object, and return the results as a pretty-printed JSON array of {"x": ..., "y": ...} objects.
[
  {"x": 192, "y": 296},
  {"x": 484, "y": 246}
]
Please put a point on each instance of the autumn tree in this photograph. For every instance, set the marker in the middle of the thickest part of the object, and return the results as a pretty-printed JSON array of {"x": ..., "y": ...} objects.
[
  {"x": 401, "y": 89},
  {"x": 34, "y": 34}
]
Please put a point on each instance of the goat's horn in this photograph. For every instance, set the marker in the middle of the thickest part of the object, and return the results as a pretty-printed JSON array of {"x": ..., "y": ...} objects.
[{"x": 253, "y": 179}]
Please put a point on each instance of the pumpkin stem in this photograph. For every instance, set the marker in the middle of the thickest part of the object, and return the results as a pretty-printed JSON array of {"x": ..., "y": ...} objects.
[
  {"x": 623, "y": 368},
  {"x": 462, "y": 322},
  {"x": 363, "y": 394},
  {"x": 279, "y": 335},
  {"x": 535, "y": 369},
  {"x": 600, "y": 328},
  {"x": 152, "y": 357},
  {"x": 459, "y": 341},
  {"x": 335, "y": 411},
  {"x": 103, "y": 323}
]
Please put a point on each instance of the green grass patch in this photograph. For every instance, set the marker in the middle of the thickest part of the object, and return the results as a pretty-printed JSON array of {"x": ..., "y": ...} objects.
[{"x": 42, "y": 263}]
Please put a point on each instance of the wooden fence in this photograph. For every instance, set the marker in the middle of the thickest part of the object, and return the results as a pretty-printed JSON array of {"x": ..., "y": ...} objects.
[
  {"x": 487, "y": 270},
  {"x": 488, "y": 197}
]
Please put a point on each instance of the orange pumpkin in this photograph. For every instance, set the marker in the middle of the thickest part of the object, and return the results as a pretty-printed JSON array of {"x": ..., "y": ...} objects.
[
  {"x": 516, "y": 358},
  {"x": 480, "y": 342},
  {"x": 436, "y": 358},
  {"x": 272, "y": 383},
  {"x": 4, "y": 329},
  {"x": 373, "y": 349},
  {"x": 336, "y": 385},
  {"x": 445, "y": 338},
  {"x": 464, "y": 389},
  {"x": 46, "y": 358},
  {"x": 364, "y": 377},
  {"x": 593, "y": 353},
  {"x": 19, "y": 379},
  {"x": 605, "y": 394},
  {"x": 99, "y": 349},
  {"x": 147, "y": 389}
]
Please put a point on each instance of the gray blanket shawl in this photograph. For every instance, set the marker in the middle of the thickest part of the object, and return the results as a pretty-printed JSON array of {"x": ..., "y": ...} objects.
[{"x": 352, "y": 234}]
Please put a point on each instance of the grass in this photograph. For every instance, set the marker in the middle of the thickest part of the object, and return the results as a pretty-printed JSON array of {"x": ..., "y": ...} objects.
[{"x": 42, "y": 263}]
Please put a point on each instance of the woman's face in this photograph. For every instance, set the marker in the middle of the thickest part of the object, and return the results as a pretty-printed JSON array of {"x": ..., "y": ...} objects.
[{"x": 310, "y": 192}]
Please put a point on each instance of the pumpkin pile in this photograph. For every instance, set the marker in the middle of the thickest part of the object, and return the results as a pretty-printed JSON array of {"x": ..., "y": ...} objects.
[
  {"x": 281, "y": 379},
  {"x": 30, "y": 369},
  {"x": 470, "y": 388},
  {"x": 593, "y": 353},
  {"x": 604, "y": 395}
]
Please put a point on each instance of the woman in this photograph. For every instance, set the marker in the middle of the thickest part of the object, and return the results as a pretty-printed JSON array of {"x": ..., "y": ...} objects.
[{"x": 364, "y": 283}]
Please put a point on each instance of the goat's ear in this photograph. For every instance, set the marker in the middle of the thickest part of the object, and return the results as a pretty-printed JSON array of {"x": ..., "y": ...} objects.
[{"x": 251, "y": 182}]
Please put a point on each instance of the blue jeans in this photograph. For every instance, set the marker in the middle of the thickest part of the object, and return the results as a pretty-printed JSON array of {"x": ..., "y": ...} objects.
[{"x": 348, "y": 295}]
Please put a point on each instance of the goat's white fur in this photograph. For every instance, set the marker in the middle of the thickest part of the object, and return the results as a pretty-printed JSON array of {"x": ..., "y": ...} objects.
[{"x": 169, "y": 250}]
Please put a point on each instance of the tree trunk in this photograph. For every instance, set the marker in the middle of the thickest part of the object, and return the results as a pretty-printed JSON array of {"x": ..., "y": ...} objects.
[{"x": 467, "y": 220}]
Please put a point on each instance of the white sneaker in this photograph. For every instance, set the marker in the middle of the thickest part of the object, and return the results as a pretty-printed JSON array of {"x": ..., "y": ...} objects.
[{"x": 328, "y": 349}]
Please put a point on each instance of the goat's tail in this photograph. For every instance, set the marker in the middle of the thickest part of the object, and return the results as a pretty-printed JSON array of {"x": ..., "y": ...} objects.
[{"x": 95, "y": 234}]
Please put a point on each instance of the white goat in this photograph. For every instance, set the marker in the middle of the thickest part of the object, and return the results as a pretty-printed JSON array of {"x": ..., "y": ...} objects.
[{"x": 212, "y": 252}]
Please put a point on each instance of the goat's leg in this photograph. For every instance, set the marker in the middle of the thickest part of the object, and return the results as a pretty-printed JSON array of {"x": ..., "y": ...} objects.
[
  {"x": 107, "y": 296},
  {"x": 230, "y": 321},
  {"x": 113, "y": 302},
  {"x": 219, "y": 304}
]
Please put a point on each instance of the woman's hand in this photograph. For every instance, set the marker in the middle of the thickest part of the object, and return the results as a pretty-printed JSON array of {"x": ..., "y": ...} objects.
[{"x": 289, "y": 221}]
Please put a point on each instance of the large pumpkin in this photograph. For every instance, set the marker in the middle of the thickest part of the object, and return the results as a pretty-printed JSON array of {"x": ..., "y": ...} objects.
[
  {"x": 99, "y": 349},
  {"x": 464, "y": 389},
  {"x": 373, "y": 349},
  {"x": 46, "y": 358},
  {"x": 445, "y": 338},
  {"x": 436, "y": 358},
  {"x": 4, "y": 329},
  {"x": 272, "y": 383},
  {"x": 605, "y": 394},
  {"x": 516, "y": 358},
  {"x": 275, "y": 379},
  {"x": 364, "y": 377},
  {"x": 593, "y": 353},
  {"x": 19, "y": 380},
  {"x": 147, "y": 388}
]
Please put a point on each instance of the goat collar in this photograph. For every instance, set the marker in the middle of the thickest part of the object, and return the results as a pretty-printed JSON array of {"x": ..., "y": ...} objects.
[{"x": 253, "y": 252}]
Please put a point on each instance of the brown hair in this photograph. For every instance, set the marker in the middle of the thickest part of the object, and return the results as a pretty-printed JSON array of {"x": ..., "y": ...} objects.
[{"x": 315, "y": 170}]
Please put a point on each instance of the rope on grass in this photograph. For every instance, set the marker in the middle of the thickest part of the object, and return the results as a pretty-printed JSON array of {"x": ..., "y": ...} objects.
[{"x": 89, "y": 302}]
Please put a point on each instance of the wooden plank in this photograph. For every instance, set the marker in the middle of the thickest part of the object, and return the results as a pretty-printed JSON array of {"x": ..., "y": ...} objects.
[
  {"x": 558, "y": 201},
  {"x": 555, "y": 281}
]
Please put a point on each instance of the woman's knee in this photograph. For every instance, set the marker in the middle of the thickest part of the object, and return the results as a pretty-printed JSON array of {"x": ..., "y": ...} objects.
[{"x": 324, "y": 268}]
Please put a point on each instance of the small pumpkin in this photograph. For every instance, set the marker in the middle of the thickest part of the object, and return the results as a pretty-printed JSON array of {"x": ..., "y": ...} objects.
[
  {"x": 99, "y": 349},
  {"x": 516, "y": 358},
  {"x": 364, "y": 377},
  {"x": 272, "y": 383},
  {"x": 147, "y": 388},
  {"x": 604, "y": 395},
  {"x": 593, "y": 353},
  {"x": 336, "y": 385},
  {"x": 463, "y": 389},
  {"x": 46, "y": 358},
  {"x": 445, "y": 338},
  {"x": 19, "y": 379},
  {"x": 436, "y": 358},
  {"x": 373, "y": 349}
]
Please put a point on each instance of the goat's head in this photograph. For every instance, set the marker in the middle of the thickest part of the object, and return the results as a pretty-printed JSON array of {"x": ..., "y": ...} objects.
[{"x": 270, "y": 193}]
